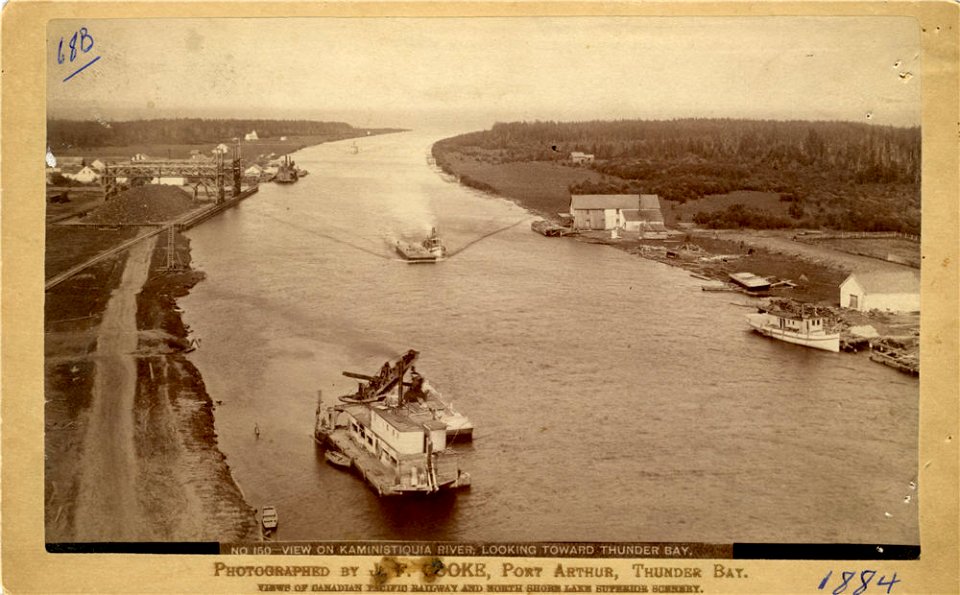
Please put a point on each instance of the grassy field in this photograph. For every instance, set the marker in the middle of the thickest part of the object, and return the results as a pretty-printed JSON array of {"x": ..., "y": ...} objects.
[
  {"x": 70, "y": 245},
  {"x": 760, "y": 201},
  {"x": 537, "y": 185}
]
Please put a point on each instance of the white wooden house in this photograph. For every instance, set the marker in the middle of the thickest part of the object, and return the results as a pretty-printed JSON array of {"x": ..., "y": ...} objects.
[
  {"x": 601, "y": 211},
  {"x": 252, "y": 135},
  {"x": 895, "y": 291},
  {"x": 86, "y": 175}
]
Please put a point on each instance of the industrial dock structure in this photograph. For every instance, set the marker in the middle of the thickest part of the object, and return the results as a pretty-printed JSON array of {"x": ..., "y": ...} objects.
[{"x": 394, "y": 433}]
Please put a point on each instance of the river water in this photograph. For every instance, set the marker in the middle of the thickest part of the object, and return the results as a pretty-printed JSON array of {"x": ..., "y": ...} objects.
[{"x": 613, "y": 400}]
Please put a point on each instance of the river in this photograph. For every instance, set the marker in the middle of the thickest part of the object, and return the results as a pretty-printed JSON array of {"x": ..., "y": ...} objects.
[{"x": 613, "y": 400}]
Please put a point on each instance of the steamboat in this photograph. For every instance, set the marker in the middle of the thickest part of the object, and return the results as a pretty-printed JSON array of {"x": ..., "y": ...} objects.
[{"x": 429, "y": 250}]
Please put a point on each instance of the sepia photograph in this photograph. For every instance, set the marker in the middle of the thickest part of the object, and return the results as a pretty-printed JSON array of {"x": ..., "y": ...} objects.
[
  {"x": 544, "y": 298},
  {"x": 506, "y": 280}
]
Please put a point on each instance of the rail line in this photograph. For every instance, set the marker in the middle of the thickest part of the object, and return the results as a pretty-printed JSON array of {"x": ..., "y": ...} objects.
[{"x": 185, "y": 222}]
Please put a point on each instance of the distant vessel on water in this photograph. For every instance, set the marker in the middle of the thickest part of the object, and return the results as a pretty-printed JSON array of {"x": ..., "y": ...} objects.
[
  {"x": 429, "y": 250},
  {"x": 396, "y": 433},
  {"x": 549, "y": 229},
  {"x": 795, "y": 323},
  {"x": 287, "y": 173}
]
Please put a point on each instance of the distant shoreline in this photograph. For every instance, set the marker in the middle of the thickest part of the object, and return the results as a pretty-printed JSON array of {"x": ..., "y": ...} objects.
[{"x": 249, "y": 149}]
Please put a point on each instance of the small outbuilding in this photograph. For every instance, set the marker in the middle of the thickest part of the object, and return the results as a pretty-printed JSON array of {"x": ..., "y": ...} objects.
[
  {"x": 252, "y": 135},
  {"x": 579, "y": 158},
  {"x": 894, "y": 291}
]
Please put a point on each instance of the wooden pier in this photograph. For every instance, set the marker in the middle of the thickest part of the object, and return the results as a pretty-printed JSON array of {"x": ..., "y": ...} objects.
[{"x": 194, "y": 219}]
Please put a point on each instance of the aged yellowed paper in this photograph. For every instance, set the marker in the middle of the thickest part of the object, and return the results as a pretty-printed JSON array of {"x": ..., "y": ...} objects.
[{"x": 676, "y": 265}]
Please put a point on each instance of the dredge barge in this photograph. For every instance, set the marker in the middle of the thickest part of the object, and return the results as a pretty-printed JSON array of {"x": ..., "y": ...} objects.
[{"x": 394, "y": 433}]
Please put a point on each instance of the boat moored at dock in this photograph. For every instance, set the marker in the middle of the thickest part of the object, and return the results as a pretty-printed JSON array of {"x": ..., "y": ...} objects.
[
  {"x": 795, "y": 323},
  {"x": 393, "y": 433},
  {"x": 287, "y": 172},
  {"x": 750, "y": 282},
  {"x": 551, "y": 230}
]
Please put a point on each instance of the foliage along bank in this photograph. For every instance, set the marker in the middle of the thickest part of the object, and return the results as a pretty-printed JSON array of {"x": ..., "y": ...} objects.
[{"x": 841, "y": 175}]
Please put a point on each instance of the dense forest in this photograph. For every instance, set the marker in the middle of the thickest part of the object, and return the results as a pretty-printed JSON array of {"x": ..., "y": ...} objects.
[
  {"x": 843, "y": 175},
  {"x": 86, "y": 133}
]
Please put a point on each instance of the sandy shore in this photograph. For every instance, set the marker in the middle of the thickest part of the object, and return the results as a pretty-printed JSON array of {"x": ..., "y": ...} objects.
[{"x": 130, "y": 442}]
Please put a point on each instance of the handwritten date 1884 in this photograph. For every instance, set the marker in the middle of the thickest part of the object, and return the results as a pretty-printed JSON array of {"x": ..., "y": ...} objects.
[{"x": 865, "y": 578}]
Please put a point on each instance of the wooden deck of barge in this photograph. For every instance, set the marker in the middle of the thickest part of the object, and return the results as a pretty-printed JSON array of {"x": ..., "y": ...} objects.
[{"x": 364, "y": 463}]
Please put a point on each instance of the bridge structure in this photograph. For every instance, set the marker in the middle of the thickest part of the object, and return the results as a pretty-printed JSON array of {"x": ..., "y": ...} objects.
[{"x": 213, "y": 176}]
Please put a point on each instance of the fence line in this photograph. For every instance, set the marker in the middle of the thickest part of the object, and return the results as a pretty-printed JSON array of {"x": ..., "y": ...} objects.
[{"x": 862, "y": 235}]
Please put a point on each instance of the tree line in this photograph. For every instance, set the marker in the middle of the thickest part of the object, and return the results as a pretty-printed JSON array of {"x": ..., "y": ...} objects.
[
  {"x": 845, "y": 174},
  {"x": 86, "y": 133}
]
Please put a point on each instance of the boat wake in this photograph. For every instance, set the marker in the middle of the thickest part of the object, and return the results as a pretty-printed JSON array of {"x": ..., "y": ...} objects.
[
  {"x": 483, "y": 237},
  {"x": 328, "y": 237},
  {"x": 448, "y": 256}
]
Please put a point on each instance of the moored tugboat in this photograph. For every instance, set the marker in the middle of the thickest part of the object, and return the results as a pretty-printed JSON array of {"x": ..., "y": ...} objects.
[{"x": 287, "y": 173}]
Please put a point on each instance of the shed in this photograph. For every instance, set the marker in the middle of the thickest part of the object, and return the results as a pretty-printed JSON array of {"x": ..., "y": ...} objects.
[
  {"x": 895, "y": 291},
  {"x": 601, "y": 211},
  {"x": 647, "y": 218},
  {"x": 578, "y": 157},
  {"x": 252, "y": 135}
]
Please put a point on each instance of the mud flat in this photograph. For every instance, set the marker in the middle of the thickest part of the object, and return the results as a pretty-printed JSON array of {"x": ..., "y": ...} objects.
[{"x": 131, "y": 450}]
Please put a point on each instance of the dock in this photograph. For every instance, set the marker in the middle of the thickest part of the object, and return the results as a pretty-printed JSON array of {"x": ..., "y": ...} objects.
[{"x": 194, "y": 219}]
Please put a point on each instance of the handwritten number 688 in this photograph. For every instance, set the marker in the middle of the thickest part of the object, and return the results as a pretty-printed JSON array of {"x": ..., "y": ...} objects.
[{"x": 81, "y": 40}]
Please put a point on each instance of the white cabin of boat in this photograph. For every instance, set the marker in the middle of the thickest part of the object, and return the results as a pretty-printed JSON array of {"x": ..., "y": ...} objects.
[{"x": 794, "y": 323}]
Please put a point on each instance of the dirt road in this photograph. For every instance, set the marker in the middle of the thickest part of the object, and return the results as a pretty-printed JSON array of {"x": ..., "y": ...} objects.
[
  {"x": 781, "y": 243},
  {"x": 107, "y": 508}
]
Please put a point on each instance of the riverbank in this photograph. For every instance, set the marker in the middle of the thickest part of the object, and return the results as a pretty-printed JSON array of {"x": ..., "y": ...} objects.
[
  {"x": 152, "y": 471},
  {"x": 813, "y": 272}
]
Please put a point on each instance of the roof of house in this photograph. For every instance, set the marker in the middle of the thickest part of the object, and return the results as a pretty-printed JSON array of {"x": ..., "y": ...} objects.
[
  {"x": 649, "y": 201},
  {"x": 903, "y": 281},
  {"x": 604, "y": 201}
]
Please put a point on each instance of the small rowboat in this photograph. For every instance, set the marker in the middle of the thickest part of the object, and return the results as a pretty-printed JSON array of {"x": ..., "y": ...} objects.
[
  {"x": 338, "y": 459},
  {"x": 269, "y": 518}
]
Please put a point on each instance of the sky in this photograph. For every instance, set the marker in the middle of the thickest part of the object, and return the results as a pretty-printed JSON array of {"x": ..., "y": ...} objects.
[{"x": 406, "y": 72}]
